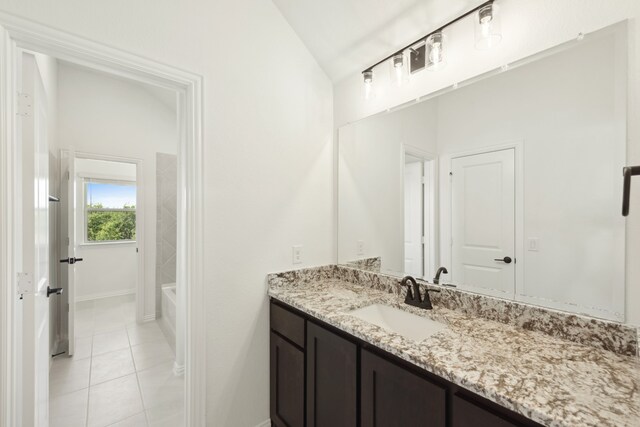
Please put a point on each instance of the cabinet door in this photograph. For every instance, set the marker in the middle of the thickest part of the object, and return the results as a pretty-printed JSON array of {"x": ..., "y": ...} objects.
[
  {"x": 471, "y": 414},
  {"x": 393, "y": 396},
  {"x": 287, "y": 383},
  {"x": 331, "y": 379}
]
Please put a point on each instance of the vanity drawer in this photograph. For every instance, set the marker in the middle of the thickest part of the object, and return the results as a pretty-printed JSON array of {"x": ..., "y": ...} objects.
[{"x": 287, "y": 324}]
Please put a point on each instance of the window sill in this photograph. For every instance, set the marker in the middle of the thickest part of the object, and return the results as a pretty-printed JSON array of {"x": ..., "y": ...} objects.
[{"x": 96, "y": 244}]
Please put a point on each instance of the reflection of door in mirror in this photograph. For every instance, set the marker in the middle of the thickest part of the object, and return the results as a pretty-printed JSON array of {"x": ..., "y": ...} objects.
[
  {"x": 418, "y": 212},
  {"x": 413, "y": 223},
  {"x": 483, "y": 222}
]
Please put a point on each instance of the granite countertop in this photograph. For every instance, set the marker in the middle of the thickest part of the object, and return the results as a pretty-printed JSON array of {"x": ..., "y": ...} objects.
[{"x": 549, "y": 380}]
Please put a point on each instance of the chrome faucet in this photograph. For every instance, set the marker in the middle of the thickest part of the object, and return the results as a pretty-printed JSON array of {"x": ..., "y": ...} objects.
[
  {"x": 436, "y": 280},
  {"x": 413, "y": 294}
]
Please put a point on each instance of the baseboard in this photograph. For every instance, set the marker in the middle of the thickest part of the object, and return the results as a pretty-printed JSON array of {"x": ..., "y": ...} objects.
[
  {"x": 266, "y": 423},
  {"x": 106, "y": 295},
  {"x": 149, "y": 317}
]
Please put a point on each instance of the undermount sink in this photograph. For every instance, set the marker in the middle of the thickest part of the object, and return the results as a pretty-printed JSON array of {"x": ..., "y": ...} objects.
[{"x": 399, "y": 321}]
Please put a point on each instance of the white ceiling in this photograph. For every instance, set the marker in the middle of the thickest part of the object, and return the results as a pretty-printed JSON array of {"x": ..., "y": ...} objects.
[{"x": 347, "y": 36}]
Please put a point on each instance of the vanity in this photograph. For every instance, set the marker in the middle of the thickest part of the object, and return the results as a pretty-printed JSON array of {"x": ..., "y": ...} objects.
[{"x": 331, "y": 367}]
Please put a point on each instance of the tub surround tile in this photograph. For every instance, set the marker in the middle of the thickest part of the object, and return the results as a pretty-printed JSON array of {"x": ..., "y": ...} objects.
[
  {"x": 552, "y": 381},
  {"x": 166, "y": 222},
  {"x": 598, "y": 333}
]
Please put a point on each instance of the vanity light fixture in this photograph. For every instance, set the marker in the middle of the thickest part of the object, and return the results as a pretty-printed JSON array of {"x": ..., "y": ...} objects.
[
  {"x": 435, "y": 51},
  {"x": 398, "y": 69},
  {"x": 428, "y": 51},
  {"x": 487, "y": 25},
  {"x": 368, "y": 84}
]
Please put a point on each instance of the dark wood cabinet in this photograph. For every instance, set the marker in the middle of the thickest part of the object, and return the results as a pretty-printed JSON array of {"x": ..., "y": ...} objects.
[
  {"x": 332, "y": 379},
  {"x": 391, "y": 396},
  {"x": 467, "y": 413},
  {"x": 287, "y": 383},
  {"x": 324, "y": 377}
]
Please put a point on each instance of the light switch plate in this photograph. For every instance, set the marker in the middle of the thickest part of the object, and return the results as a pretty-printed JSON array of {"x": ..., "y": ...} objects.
[
  {"x": 360, "y": 247},
  {"x": 297, "y": 254},
  {"x": 533, "y": 244}
]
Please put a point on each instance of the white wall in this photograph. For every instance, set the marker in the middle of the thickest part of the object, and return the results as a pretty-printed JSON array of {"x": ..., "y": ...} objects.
[
  {"x": 371, "y": 182},
  {"x": 268, "y": 161},
  {"x": 528, "y": 26},
  {"x": 107, "y": 269},
  {"x": 104, "y": 115}
]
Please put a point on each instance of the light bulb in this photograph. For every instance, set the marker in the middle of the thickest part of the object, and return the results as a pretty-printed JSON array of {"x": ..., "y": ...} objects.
[
  {"x": 435, "y": 51},
  {"x": 398, "y": 71},
  {"x": 368, "y": 84},
  {"x": 487, "y": 26}
]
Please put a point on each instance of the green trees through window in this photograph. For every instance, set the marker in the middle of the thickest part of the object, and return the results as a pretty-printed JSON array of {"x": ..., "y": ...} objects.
[
  {"x": 110, "y": 211},
  {"x": 110, "y": 225}
]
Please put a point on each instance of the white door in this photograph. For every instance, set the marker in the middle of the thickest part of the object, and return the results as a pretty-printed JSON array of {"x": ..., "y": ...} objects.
[
  {"x": 35, "y": 183},
  {"x": 68, "y": 201},
  {"x": 483, "y": 222},
  {"x": 413, "y": 251}
]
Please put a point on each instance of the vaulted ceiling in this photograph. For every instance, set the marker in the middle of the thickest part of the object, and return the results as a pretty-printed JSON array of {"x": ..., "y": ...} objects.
[{"x": 346, "y": 36}]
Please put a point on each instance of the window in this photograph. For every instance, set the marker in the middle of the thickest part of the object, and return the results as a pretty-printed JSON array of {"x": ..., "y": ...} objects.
[{"x": 110, "y": 211}]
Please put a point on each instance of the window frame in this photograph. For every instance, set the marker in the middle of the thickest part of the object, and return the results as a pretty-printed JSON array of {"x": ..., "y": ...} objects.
[{"x": 86, "y": 209}]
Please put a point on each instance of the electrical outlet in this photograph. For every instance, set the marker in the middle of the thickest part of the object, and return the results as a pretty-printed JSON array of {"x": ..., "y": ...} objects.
[
  {"x": 533, "y": 244},
  {"x": 360, "y": 247},
  {"x": 297, "y": 254}
]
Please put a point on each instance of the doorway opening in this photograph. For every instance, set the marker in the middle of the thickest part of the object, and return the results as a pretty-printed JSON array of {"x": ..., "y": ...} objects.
[
  {"x": 419, "y": 214},
  {"x": 28, "y": 305}
]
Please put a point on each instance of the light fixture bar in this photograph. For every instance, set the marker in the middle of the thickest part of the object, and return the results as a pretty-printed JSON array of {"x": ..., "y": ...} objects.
[{"x": 422, "y": 39}]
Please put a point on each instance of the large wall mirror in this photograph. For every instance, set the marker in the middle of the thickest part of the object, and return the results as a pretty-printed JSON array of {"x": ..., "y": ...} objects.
[{"x": 512, "y": 181}]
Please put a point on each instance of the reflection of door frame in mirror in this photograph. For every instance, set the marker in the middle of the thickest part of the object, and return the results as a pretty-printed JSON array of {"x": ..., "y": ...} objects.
[
  {"x": 430, "y": 255},
  {"x": 16, "y": 34},
  {"x": 446, "y": 223}
]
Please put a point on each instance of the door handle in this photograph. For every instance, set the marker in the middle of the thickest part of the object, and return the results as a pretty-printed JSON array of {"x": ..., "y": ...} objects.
[
  {"x": 627, "y": 173},
  {"x": 57, "y": 291},
  {"x": 506, "y": 260},
  {"x": 71, "y": 260}
]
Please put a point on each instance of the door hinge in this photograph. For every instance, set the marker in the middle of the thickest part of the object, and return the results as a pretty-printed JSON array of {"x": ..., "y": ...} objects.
[
  {"x": 423, "y": 240},
  {"x": 25, "y": 284},
  {"x": 25, "y": 105},
  {"x": 68, "y": 177}
]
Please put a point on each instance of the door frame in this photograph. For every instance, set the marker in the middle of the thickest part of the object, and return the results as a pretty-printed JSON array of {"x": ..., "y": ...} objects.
[
  {"x": 446, "y": 246},
  {"x": 18, "y": 33},
  {"x": 409, "y": 150}
]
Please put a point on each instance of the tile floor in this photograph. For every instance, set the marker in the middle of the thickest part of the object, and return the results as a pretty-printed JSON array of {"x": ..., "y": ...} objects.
[{"x": 121, "y": 373}]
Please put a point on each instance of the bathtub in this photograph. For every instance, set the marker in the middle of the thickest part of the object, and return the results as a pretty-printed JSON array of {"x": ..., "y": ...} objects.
[{"x": 168, "y": 319}]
